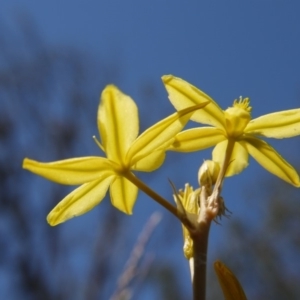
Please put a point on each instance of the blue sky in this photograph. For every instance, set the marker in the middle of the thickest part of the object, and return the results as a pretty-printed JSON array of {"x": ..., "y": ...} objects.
[{"x": 226, "y": 48}]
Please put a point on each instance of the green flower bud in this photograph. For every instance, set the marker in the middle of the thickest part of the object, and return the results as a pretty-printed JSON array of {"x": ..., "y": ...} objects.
[{"x": 208, "y": 173}]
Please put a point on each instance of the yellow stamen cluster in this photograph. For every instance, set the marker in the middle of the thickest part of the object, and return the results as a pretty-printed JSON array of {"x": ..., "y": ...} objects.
[{"x": 243, "y": 103}]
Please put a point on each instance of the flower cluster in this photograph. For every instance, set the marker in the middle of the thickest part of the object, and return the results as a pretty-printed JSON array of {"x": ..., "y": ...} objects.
[
  {"x": 232, "y": 131},
  {"x": 118, "y": 125},
  {"x": 233, "y": 134}
]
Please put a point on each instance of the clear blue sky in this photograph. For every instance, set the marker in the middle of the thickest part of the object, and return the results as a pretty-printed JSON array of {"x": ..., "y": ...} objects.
[{"x": 226, "y": 48}]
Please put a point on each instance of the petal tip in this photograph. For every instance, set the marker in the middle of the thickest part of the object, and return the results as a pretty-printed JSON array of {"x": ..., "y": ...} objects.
[
  {"x": 51, "y": 221},
  {"x": 124, "y": 209},
  {"x": 53, "y": 217},
  {"x": 127, "y": 211},
  {"x": 26, "y": 163},
  {"x": 296, "y": 183},
  {"x": 167, "y": 78},
  {"x": 110, "y": 88}
]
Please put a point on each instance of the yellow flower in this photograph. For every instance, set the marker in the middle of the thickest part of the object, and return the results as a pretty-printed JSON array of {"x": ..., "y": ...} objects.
[
  {"x": 232, "y": 131},
  {"x": 118, "y": 125},
  {"x": 231, "y": 287}
]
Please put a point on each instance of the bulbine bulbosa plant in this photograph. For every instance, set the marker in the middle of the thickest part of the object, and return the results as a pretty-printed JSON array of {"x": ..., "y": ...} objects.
[{"x": 233, "y": 134}]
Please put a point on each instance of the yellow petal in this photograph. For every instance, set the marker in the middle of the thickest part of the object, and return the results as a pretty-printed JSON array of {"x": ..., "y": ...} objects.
[
  {"x": 123, "y": 194},
  {"x": 271, "y": 160},
  {"x": 71, "y": 171},
  {"x": 160, "y": 133},
  {"x": 283, "y": 124},
  {"x": 151, "y": 162},
  {"x": 118, "y": 122},
  {"x": 182, "y": 94},
  {"x": 80, "y": 201},
  {"x": 197, "y": 139},
  {"x": 238, "y": 160},
  {"x": 231, "y": 287}
]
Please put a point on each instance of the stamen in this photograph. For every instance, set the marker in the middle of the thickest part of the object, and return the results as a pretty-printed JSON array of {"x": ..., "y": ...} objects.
[
  {"x": 98, "y": 143},
  {"x": 242, "y": 103}
]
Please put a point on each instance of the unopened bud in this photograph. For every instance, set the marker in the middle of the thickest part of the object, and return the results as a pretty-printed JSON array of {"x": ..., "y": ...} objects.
[{"x": 208, "y": 173}]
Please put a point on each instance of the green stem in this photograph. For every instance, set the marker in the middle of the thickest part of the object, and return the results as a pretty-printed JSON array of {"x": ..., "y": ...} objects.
[{"x": 147, "y": 190}]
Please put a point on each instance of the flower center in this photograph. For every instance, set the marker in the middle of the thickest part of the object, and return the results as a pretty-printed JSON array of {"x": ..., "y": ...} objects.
[{"x": 237, "y": 117}]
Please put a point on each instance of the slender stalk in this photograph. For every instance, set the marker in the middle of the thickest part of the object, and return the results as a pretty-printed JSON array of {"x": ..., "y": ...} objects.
[
  {"x": 218, "y": 186},
  {"x": 226, "y": 161},
  {"x": 156, "y": 197},
  {"x": 200, "y": 236},
  {"x": 200, "y": 242}
]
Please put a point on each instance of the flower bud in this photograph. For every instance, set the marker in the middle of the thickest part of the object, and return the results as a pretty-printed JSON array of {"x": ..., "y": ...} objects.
[
  {"x": 187, "y": 201},
  {"x": 208, "y": 173}
]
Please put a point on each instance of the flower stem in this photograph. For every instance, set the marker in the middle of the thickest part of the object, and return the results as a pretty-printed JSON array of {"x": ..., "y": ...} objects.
[
  {"x": 208, "y": 211},
  {"x": 226, "y": 162},
  {"x": 156, "y": 197},
  {"x": 228, "y": 153},
  {"x": 200, "y": 242}
]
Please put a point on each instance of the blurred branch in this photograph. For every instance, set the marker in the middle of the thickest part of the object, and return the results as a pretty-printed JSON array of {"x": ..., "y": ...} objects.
[{"x": 131, "y": 270}]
